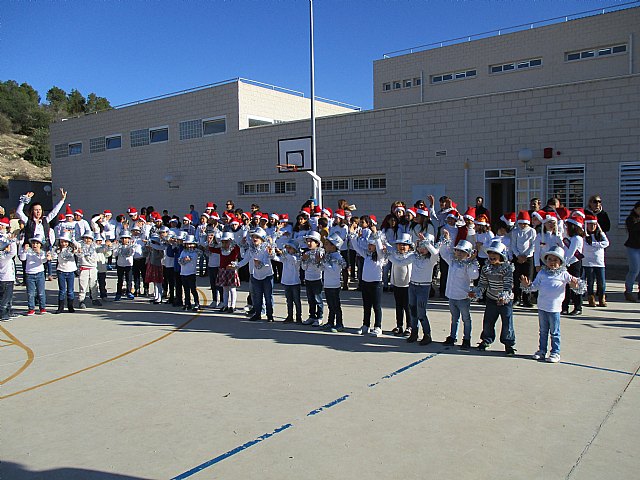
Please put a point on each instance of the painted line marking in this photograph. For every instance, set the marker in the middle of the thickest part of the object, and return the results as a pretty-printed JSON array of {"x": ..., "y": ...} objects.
[
  {"x": 230, "y": 453},
  {"x": 90, "y": 367},
  {"x": 622, "y": 372},
  {"x": 328, "y": 405},
  {"x": 404, "y": 369},
  {"x": 26, "y": 363}
]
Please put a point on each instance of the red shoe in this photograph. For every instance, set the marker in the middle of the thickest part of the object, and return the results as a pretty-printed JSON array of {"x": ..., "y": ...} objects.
[
  {"x": 31, "y": 312},
  {"x": 43, "y": 311}
]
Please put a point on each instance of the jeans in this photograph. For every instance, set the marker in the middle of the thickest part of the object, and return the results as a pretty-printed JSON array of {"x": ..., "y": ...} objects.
[
  {"x": 460, "y": 308},
  {"x": 216, "y": 291},
  {"x": 332, "y": 296},
  {"x": 314, "y": 298},
  {"x": 292, "y": 294},
  {"x": 35, "y": 287},
  {"x": 595, "y": 274},
  {"x": 444, "y": 274},
  {"x": 549, "y": 325},
  {"x": 386, "y": 274},
  {"x": 263, "y": 289},
  {"x": 401, "y": 296},
  {"x": 633, "y": 275},
  {"x": 6, "y": 295},
  {"x": 189, "y": 284},
  {"x": 372, "y": 299},
  {"x": 418, "y": 301},
  {"x": 525, "y": 269},
  {"x": 65, "y": 285},
  {"x": 491, "y": 314}
]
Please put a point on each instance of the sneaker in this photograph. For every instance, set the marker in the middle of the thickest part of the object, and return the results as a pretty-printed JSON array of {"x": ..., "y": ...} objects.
[
  {"x": 4, "y": 319},
  {"x": 214, "y": 304},
  {"x": 43, "y": 311},
  {"x": 407, "y": 332},
  {"x": 97, "y": 303},
  {"x": 219, "y": 305},
  {"x": 413, "y": 336},
  {"x": 31, "y": 312},
  {"x": 553, "y": 358},
  {"x": 449, "y": 341},
  {"x": 327, "y": 327},
  {"x": 82, "y": 305},
  {"x": 270, "y": 318},
  {"x": 130, "y": 296},
  {"x": 363, "y": 330},
  {"x": 482, "y": 346},
  {"x": 255, "y": 318},
  {"x": 376, "y": 332},
  {"x": 538, "y": 355},
  {"x": 466, "y": 345},
  {"x": 309, "y": 321},
  {"x": 576, "y": 312},
  {"x": 316, "y": 322},
  {"x": 337, "y": 329},
  {"x": 117, "y": 298},
  {"x": 397, "y": 331},
  {"x": 195, "y": 308},
  {"x": 426, "y": 340},
  {"x": 288, "y": 320},
  {"x": 509, "y": 351}
]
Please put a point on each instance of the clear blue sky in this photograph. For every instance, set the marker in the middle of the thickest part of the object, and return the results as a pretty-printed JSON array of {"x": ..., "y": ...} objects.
[{"x": 129, "y": 50}]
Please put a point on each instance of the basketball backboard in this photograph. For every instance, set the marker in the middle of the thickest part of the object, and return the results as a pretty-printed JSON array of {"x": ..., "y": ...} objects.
[{"x": 294, "y": 154}]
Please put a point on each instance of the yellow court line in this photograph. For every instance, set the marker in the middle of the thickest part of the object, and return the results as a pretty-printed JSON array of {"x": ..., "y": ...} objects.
[
  {"x": 6, "y": 341},
  {"x": 104, "y": 362},
  {"x": 27, "y": 362}
]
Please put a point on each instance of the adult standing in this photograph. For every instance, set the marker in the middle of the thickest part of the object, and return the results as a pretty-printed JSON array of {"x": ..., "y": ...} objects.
[
  {"x": 37, "y": 223},
  {"x": 594, "y": 207},
  {"x": 481, "y": 209},
  {"x": 633, "y": 253}
]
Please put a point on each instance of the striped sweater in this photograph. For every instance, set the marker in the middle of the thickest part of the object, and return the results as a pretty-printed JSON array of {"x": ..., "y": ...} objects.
[{"x": 497, "y": 281}]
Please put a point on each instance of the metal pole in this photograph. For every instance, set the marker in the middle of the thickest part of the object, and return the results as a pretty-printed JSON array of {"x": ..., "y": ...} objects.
[{"x": 317, "y": 182}]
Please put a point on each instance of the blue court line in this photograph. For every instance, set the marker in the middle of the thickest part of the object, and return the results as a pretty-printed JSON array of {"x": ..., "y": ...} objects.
[
  {"x": 230, "y": 453},
  {"x": 328, "y": 405},
  {"x": 404, "y": 369},
  {"x": 600, "y": 368}
]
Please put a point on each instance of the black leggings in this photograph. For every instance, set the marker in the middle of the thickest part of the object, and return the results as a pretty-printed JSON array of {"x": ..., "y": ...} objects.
[
  {"x": 401, "y": 296},
  {"x": 571, "y": 297},
  {"x": 189, "y": 285},
  {"x": 372, "y": 299}
]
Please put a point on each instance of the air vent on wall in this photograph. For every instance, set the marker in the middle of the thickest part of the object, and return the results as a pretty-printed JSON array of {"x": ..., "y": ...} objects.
[{"x": 441, "y": 153}]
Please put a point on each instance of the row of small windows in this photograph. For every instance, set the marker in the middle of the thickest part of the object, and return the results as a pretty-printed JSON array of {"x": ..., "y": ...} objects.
[
  {"x": 507, "y": 67},
  {"x": 354, "y": 184},
  {"x": 265, "y": 188}
]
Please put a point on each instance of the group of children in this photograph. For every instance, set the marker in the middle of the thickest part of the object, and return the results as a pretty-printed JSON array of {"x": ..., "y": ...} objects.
[{"x": 539, "y": 251}]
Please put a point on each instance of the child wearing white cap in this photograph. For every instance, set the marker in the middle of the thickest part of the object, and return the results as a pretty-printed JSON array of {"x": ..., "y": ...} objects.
[
  {"x": 332, "y": 265},
  {"x": 35, "y": 257},
  {"x": 290, "y": 257},
  {"x": 88, "y": 266},
  {"x": 8, "y": 251},
  {"x": 550, "y": 284}
]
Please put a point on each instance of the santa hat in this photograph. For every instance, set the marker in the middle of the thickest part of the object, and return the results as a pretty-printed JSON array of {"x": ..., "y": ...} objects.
[
  {"x": 563, "y": 213},
  {"x": 107, "y": 212},
  {"x": 399, "y": 208},
  {"x": 509, "y": 218},
  {"x": 210, "y": 206},
  {"x": 317, "y": 211},
  {"x": 374, "y": 219},
  {"x": 68, "y": 212},
  {"x": 578, "y": 212},
  {"x": 156, "y": 216},
  {"x": 275, "y": 216},
  {"x": 233, "y": 220},
  {"x": 470, "y": 213},
  {"x": 264, "y": 217},
  {"x": 550, "y": 217},
  {"x": 5, "y": 222},
  {"x": 247, "y": 215},
  {"x": 577, "y": 220},
  {"x": 306, "y": 211},
  {"x": 187, "y": 218},
  {"x": 215, "y": 216},
  {"x": 61, "y": 217},
  {"x": 284, "y": 217},
  {"x": 79, "y": 212},
  {"x": 327, "y": 211},
  {"x": 539, "y": 215},
  {"x": 523, "y": 217},
  {"x": 590, "y": 219},
  {"x": 453, "y": 214},
  {"x": 132, "y": 211},
  {"x": 482, "y": 220},
  {"x": 339, "y": 214},
  {"x": 205, "y": 215},
  {"x": 454, "y": 204},
  {"x": 423, "y": 212},
  {"x": 256, "y": 214},
  {"x": 412, "y": 212}
]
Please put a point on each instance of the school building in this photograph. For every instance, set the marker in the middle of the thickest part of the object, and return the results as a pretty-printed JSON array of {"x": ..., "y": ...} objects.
[{"x": 550, "y": 109}]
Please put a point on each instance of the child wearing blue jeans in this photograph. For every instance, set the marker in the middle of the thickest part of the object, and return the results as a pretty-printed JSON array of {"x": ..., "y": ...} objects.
[
  {"x": 35, "y": 258},
  {"x": 550, "y": 284}
]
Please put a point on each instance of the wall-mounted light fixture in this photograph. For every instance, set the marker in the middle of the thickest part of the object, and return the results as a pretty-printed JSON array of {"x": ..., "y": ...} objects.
[
  {"x": 171, "y": 181},
  {"x": 525, "y": 155}
]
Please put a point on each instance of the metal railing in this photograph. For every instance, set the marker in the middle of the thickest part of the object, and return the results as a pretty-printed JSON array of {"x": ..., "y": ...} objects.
[{"x": 515, "y": 28}]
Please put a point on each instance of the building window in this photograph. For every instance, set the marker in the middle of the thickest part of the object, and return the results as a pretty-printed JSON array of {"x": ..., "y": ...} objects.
[
  {"x": 159, "y": 135},
  {"x": 259, "y": 121},
  {"x": 446, "y": 77},
  {"x": 96, "y": 145},
  {"x": 61, "y": 150},
  {"x": 629, "y": 189},
  {"x": 386, "y": 87},
  {"x": 214, "y": 126},
  {"x": 397, "y": 85},
  {"x": 567, "y": 184},
  {"x": 417, "y": 81},
  {"x": 406, "y": 83},
  {"x": 285, "y": 187},
  {"x": 340, "y": 184},
  {"x": 190, "y": 129},
  {"x": 512, "y": 66},
  {"x": 140, "y": 138},
  {"x": 596, "y": 52},
  {"x": 377, "y": 183},
  {"x": 255, "y": 188},
  {"x": 75, "y": 148},
  {"x": 113, "y": 142}
]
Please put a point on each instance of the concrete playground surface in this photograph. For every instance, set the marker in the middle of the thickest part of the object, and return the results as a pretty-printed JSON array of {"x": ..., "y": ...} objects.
[{"x": 139, "y": 391}]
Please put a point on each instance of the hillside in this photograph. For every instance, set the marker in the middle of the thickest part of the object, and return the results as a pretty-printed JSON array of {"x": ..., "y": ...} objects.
[{"x": 12, "y": 165}]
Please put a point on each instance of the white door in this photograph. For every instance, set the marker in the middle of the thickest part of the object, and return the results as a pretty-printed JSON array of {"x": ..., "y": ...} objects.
[{"x": 526, "y": 189}]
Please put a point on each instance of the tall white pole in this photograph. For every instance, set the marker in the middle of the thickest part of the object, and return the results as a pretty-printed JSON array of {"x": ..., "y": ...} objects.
[{"x": 317, "y": 182}]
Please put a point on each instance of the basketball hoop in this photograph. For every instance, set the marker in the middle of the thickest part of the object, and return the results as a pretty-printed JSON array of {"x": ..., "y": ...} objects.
[{"x": 287, "y": 167}]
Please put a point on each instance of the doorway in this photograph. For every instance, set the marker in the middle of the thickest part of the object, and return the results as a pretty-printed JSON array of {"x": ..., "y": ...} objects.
[{"x": 500, "y": 192}]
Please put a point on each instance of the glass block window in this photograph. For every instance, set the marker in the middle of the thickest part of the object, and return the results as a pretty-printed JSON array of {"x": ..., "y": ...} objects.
[
  {"x": 386, "y": 87},
  {"x": 214, "y": 126},
  {"x": 96, "y": 145},
  {"x": 596, "y": 52},
  {"x": 629, "y": 189},
  {"x": 61, "y": 150},
  {"x": 140, "y": 138},
  {"x": 75, "y": 148},
  {"x": 285, "y": 187},
  {"x": 113, "y": 142},
  {"x": 446, "y": 77},
  {"x": 158, "y": 135},
  {"x": 513, "y": 66},
  {"x": 190, "y": 129},
  {"x": 566, "y": 183}
]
